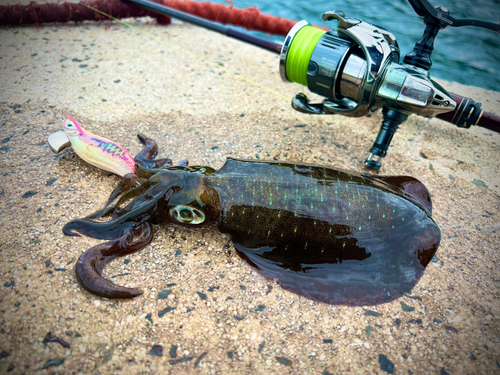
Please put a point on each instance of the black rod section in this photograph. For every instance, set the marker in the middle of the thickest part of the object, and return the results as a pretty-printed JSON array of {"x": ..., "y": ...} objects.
[{"x": 214, "y": 26}]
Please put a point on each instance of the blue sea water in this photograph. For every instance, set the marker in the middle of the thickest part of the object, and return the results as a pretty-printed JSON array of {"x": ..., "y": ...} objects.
[{"x": 468, "y": 55}]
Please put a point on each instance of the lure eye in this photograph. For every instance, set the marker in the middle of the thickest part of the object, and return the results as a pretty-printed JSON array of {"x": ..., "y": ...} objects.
[
  {"x": 187, "y": 215},
  {"x": 69, "y": 125}
]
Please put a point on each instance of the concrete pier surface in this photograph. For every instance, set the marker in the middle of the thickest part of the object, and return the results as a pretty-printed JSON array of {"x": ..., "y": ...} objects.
[{"x": 204, "y": 97}]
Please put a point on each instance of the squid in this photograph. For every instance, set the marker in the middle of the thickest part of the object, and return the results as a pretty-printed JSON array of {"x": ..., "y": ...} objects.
[{"x": 328, "y": 234}]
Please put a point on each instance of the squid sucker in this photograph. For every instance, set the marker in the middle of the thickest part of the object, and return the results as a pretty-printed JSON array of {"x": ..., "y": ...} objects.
[{"x": 330, "y": 235}]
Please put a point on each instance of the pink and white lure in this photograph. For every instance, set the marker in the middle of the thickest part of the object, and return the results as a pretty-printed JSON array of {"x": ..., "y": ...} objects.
[{"x": 98, "y": 151}]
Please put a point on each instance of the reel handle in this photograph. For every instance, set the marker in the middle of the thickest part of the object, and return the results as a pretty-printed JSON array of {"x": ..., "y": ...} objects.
[
  {"x": 435, "y": 19},
  {"x": 441, "y": 15}
]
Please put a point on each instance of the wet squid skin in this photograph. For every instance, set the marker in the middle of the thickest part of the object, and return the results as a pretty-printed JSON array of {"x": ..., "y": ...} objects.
[{"x": 330, "y": 235}]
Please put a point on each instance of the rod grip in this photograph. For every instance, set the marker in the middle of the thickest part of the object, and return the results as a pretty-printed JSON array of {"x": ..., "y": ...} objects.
[{"x": 468, "y": 113}]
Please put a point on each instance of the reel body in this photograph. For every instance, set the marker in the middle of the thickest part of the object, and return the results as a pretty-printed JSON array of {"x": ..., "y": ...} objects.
[{"x": 356, "y": 68}]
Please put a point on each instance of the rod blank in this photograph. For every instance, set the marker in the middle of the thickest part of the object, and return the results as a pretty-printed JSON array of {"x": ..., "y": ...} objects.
[{"x": 214, "y": 26}]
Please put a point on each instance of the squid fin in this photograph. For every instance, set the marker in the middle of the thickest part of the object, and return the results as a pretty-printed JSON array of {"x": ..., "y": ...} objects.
[{"x": 410, "y": 186}]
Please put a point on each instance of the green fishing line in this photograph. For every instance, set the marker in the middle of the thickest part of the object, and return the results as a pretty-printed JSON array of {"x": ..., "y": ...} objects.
[{"x": 300, "y": 52}]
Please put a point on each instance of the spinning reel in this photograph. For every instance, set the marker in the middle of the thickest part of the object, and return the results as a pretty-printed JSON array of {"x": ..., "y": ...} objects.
[{"x": 356, "y": 68}]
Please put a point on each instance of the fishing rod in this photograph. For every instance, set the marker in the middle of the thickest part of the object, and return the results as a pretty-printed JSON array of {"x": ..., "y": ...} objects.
[
  {"x": 214, "y": 26},
  {"x": 356, "y": 69}
]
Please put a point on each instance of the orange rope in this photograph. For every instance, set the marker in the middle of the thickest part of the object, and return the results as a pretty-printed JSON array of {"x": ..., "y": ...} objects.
[
  {"x": 44, "y": 11},
  {"x": 250, "y": 18}
]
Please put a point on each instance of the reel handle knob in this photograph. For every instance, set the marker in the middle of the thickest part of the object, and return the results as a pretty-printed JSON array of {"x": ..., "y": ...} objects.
[{"x": 301, "y": 103}]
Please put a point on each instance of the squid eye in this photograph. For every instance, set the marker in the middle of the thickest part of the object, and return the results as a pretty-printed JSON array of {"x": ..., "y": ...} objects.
[{"x": 187, "y": 214}]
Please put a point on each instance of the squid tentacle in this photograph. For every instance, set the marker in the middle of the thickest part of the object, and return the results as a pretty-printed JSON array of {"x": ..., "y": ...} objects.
[
  {"x": 91, "y": 263},
  {"x": 116, "y": 210},
  {"x": 144, "y": 158},
  {"x": 128, "y": 183},
  {"x": 137, "y": 212},
  {"x": 150, "y": 151},
  {"x": 134, "y": 193}
]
